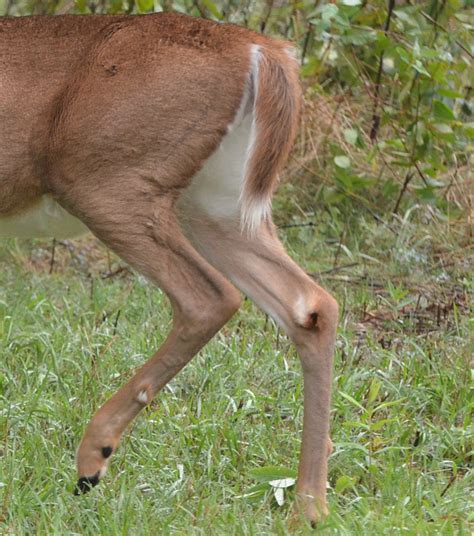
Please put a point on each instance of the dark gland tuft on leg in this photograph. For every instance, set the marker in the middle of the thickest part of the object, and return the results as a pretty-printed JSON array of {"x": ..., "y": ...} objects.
[
  {"x": 106, "y": 451},
  {"x": 86, "y": 483},
  {"x": 311, "y": 321}
]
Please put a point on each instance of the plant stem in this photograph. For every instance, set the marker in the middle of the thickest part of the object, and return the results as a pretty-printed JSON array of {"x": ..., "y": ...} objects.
[{"x": 375, "y": 113}]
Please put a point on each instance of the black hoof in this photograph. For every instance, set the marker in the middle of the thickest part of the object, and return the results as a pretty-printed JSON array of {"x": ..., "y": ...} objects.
[{"x": 86, "y": 483}]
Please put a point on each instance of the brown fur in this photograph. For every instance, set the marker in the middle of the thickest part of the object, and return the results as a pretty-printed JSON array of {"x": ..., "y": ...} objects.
[
  {"x": 277, "y": 106},
  {"x": 113, "y": 116}
]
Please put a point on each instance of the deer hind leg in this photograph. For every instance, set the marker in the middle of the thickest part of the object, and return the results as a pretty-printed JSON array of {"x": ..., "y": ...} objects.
[
  {"x": 145, "y": 233},
  {"x": 263, "y": 271}
]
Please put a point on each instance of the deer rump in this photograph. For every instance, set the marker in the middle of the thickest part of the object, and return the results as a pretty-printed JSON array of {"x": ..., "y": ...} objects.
[{"x": 192, "y": 105}]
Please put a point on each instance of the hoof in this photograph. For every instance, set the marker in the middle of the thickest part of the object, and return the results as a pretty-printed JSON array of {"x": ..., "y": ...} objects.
[
  {"x": 310, "y": 508},
  {"x": 86, "y": 483}
]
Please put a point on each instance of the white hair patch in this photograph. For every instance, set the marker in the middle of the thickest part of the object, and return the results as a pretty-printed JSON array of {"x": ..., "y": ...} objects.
[
  {"x": 142, "y": 397},
  {"x": 218, "y": 188}
]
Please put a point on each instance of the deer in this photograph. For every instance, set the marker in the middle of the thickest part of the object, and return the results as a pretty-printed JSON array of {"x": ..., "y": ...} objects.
[{"x": 164, "y": 135}]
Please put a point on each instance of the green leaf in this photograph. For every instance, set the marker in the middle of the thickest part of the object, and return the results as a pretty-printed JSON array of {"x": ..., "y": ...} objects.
[
  {"x": 358, "y": 37},
  {"x": 342, "y": 161},
  {"x": 373, "y": 391},
  {"x": 450, "y": 94},
  {"x": 405, "y": 91},
  {"x": 468, "y": 129},
  {"x": 351, "y": 135},
  {"x": 310, "y": 67},
  {"x": 378, "y": 425},
  {"x": 403, "y": 54},
  {"x": 351, "y": 2},
  {"x": 442, "y": 112},
  {"x": 426, "y": 194},
  {"x": 328, "y": 12},
  {"x": 389, "y": 188},
  {"x": 352, "y": 401},
  {"x": 256, "y": 492},
  {"x": 81, "y": 5},
  {"x": 418, "y": 66},
  {"x": 144, "y": 5},
  {"x": 212, "y": 8},
  {"x": 390, "y": 404},
  {"x": 420, "y": 131},
  {"x": 435, "y": 183},
  {"x": 344, "y": 482},
  {"x": 406, "y": 17},
  {"x": 282, "y": 482},
  {"x": 269, "y": 473},
  {"x": 443, "y": 128}
]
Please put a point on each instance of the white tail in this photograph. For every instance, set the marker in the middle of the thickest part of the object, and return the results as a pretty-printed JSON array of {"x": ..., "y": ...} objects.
[
  {"x": 277, "y": 100},
  {"x": 164, "y": 135}
]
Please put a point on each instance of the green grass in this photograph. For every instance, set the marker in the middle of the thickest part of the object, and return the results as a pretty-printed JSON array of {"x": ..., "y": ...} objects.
[{"x": 401, "y": 405}]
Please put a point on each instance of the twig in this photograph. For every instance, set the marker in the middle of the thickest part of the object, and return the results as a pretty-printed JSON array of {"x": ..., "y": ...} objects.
[
  {"x": 199, "y": 8},
  {"x": 414, "y": 163},
  {"x": 448, "y": 485},
  {"x": 420, "y": 173},
  {"x": 378, "y": 219},
  {"x": 360, "y": 280},
  {"x": 264, "y": 22},
  {"x": 435, "y": 13},
  {"x": 438, "y": 25},
  {"x": 53, "y": 251},
  {"x": 117, "y": 316},
  {"x": 120, "y": 270},
  {"x": 375, "y": 114},
  {"x": 130, "y": 7},
  {"x": 408, "y": 178},
  {"x": 410, "y": 174},
  {"x": 339, "y": 268},
  {"x": 246, "y": 13},
  {"x": 290, "y": 225},
  {"x": 307, "y": 37},
  {"x": 338, "y": 250}
]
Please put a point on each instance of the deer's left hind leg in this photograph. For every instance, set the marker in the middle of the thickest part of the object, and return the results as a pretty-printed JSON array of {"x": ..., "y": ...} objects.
[
  {"x": 261, "y": 269},
  {"x": 145, "y": 233}
]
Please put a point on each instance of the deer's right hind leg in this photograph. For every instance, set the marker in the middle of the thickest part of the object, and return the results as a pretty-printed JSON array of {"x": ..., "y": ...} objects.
[
  {"x": 260, "y": 268},
  {"x": 145, "y": 233}
]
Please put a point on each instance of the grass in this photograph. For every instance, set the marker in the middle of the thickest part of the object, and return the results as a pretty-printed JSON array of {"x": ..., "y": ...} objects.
[{"x": 401, "y": 406}]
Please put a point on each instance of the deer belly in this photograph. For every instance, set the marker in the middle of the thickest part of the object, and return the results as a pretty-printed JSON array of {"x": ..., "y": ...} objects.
[{"x": 44, "y": 219}]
